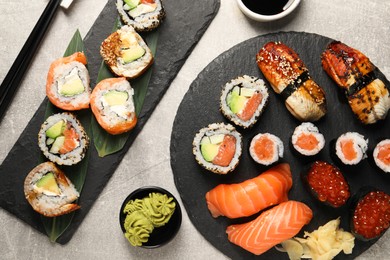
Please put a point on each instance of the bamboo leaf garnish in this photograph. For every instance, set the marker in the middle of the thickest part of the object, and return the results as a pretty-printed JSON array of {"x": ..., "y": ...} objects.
[
  {"x": 55, "y": 227},
  {"x": 105, "y": 143}
]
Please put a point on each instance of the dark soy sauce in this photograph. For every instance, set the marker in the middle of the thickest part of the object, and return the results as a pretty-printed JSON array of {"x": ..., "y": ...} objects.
[{"x": 265, "y": 7}]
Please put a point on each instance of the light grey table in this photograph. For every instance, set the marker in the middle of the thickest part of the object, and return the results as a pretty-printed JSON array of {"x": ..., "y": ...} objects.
[{"x": 361, "y": 24}]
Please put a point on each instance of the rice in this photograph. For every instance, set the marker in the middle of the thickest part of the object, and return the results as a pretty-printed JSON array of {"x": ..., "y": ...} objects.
[
  {"x": 359, "y": 145},
  {"x": 246, "y": 82},
  {"x": 72, "y": 157},
  {"x": 213, "y": 130}
]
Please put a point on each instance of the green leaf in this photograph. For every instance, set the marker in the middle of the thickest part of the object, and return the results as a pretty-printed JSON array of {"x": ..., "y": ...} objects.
[
  {"x": 105, "y": 143},
  {"x": 55, "y": 227}
]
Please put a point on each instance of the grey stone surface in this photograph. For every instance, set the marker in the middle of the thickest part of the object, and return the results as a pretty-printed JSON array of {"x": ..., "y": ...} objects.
[{"x": 361, "y": 24}]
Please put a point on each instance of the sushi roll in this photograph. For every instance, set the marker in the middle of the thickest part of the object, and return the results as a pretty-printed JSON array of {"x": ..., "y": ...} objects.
[
  {"x": 49, "y": 191},
  {"x": 266, "y": 149},
  {"x": 307, "y": 139},
  {"x": 113, "y": 105},
  {"x": 243, "y": 100},
  {"x": 126, "y": 53},
  {"x": 67, "y": 85},
  {"x": 62, "y": 139},
  {"x": 143, "y": 15},
  {"x": 381, "y": 155},
  {"x": 351, "y": 148},
  {"x": 218, "y": 147}
]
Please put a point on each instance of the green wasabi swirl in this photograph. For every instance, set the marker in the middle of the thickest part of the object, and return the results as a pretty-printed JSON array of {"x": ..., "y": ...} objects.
[{"x": 143, "y": 215}]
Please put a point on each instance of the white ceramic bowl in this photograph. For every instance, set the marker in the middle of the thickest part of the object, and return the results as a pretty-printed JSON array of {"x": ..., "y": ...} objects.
[{"x": 267, "y": 18}]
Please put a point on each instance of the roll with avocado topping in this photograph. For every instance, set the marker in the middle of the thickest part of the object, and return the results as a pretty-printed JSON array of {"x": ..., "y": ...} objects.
[
  {"x": 62, "y": 139},
  {"x": 143, "y": 15},
  {"x": 49, "y": 191},
  {"x": 126, "y": 53}
]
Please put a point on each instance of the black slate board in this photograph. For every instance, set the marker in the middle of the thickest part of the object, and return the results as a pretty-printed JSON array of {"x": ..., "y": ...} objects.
[
  {"x": 200, "y": 107},
  {"x": 185, "y": 23}
]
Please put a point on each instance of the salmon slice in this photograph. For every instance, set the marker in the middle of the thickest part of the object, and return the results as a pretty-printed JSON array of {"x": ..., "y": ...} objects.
[
  {"x": 307, "y": 142},
  {"x": 347, "y": 147},
  {"x": 71, "y": 140},
  {"x": 251, "y": 196},
  {"x": 384, "y": 153},
  {"x": 265, "y": 148},
  {"x": 250, "y": 107},
  {"x": 226, "y": 151},
  {"x": 272, "y": 227}
]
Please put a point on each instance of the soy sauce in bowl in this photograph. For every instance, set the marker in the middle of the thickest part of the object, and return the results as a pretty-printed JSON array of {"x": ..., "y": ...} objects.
[{"x": 265, "y": 7}]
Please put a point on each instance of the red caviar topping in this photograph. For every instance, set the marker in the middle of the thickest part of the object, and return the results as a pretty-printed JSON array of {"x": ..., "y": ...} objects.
[
  {"x": 328, "y": 183},
  {"x": 372, "y": 214}
]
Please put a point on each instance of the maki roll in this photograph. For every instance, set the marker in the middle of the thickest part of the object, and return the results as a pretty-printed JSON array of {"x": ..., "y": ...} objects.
[
  {"x": 243, "y": 100},
  {"x": 327, "y": 184},
  {"x": 49, "y": 191},
  {"x": 381, "y": 155},
  {"x": 67, "y": 85},
  {"x": 113, "y": 105},
  {"x": 351, "y": 148},
  {"x": 266, "y": 149},
  {"x": 370, "y": 216},
  {"x": 62, "y": 139},
  {"x": 218, "y": 147},
  {"x": 307, "y": 139},
  {"x": 126, "y": 53},
  {"x": 143, "y": 15}
]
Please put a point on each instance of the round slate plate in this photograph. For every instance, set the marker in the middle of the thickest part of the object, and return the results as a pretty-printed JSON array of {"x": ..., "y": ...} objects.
[{"x": 200, "y": 107}]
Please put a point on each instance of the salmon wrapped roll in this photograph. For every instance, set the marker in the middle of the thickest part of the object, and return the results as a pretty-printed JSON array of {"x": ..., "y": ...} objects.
[
  {"x": 368, "y": 96},
  {"x": 67, "y": 85},
  {"x": 289, "y": 77},
  {"x": 113, "y": 105},
  {"x": 49, "y": 191}
]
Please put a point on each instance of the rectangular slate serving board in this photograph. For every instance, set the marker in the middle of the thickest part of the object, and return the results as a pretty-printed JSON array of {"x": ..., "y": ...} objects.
[{"x": 185, "y": 23}]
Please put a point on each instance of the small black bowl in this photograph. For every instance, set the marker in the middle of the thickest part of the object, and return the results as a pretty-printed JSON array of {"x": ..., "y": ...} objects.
[{"x": 160, "y": 235}]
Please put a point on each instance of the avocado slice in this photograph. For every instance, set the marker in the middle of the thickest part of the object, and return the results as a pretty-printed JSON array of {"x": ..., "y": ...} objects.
[
  {"x": 209, "y": 151},
  {"x": 132, "y": 54},
  {"x": 48, "y": 184},
  {"x": 213, "y": 139},
  {"x": 58, "y": 143},
  {"x": 132, "y": 3},
  {"x": 115, "y": 98},
  {"x": 142, "y": 9},
  {"x": 236, "y": 102},
  {"x": 56, "y": 130},
  {"x": 72, "y": 86}
]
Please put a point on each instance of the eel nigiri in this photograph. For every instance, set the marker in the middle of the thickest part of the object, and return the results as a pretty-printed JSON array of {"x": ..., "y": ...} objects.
[
  {"x": 251, "y": 196},
  {"x": 272, "y": 227},
  {"x": 290, "y": 78},
  {"x": 368, "y": 96}
]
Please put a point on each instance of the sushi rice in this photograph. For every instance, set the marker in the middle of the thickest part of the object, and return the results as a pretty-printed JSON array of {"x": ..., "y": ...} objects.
[
  {"x": 359, "y": 145},
  {"x": 69, "y": 158},
  {"x": 251, "y": 84},
  {"x": 212, "y": 130}
]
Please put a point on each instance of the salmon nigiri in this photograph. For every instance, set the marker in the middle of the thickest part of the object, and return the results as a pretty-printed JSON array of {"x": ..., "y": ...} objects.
[
  {"x": 270, "y": 228},
  {"x": 251, "y": 196}
]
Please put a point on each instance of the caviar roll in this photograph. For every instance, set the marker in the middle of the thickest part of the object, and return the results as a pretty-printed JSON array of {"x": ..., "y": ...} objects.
[
  {"x": 126, "y": 53},
  {"x": 243, "y": 100},
  {"x": 67, "y": 85},
  {"x": 62, "y": 139},
  {"x": 266, "y": 148},
  {"x": 113, "y": 106},
  {"x": 351, "y": 148},
  {"x": 49, "y": 191},
  {"x": 307, "y": 139},
  {"x": 218, "y": 147},
  {"x": 381, "y": 155},
  {"x": 143, "y": 15}
]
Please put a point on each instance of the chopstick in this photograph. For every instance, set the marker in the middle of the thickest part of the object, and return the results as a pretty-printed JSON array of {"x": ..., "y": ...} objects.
[{"x": 15, "y": 75}]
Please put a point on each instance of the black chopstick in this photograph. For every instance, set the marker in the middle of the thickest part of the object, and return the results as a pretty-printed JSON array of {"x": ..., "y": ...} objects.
[{"x": 15, "y": 75}]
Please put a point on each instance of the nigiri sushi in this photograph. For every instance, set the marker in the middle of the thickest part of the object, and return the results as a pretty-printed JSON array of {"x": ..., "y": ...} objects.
[
  {"x": 272, "y": 227},
  {"x": 290, "y": 78},
  {"x": 113, "y": 106},
  {"x": 67, "y": 84},
  {"x": 368, "y": 96},
  {"x": 251, "y": 196}
]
